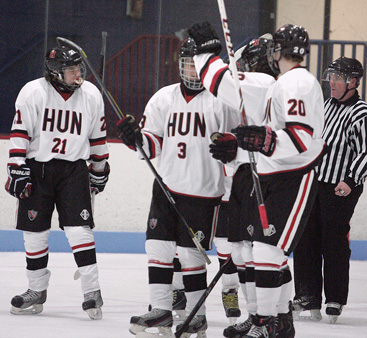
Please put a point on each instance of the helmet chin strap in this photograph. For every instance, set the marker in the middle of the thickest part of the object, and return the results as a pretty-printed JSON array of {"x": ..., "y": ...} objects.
[{"x": 346, "y": 92}]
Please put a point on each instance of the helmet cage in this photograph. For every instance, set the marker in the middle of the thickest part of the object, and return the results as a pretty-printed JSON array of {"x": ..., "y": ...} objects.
[{"x": 188, "y": 73}]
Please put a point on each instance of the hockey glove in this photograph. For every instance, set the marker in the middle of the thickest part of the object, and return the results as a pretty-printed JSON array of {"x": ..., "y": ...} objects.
[
  {"x": 19, "y": 183},
  {"x": 224, "y": 147},
  {"x": 254, "y": 138},
  {"x": 206, "y": 38},
  {"x": 98, "y": 179},
  {"x": 129, "y": 131}
]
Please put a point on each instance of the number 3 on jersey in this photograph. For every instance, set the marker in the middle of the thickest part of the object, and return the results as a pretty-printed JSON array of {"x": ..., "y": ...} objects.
[{"x": 182, "y": 150}]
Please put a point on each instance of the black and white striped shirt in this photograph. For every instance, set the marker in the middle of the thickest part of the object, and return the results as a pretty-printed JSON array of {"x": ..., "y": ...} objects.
[{"x": 345, "y": 133}]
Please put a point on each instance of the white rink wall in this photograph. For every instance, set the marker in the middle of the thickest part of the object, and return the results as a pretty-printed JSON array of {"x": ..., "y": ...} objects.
[{"x": 124, "y": 204}]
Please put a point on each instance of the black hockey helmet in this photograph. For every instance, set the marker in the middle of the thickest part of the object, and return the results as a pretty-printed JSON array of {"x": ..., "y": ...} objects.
[
  {"x": 345, "y": 68},
  {"x": 292, "y": 40},
  {"x": 59, "y": 58},
  {"x": 189, "y": 78},
  {"x": 254, "y": 56},
  {"x": 188, "y": 48}
]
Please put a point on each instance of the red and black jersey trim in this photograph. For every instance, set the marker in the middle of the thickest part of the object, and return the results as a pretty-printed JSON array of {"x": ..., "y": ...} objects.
[
  {"x": 97, "y": 141},
  {"x": 17, "y": 153},
  {"x": 217, "y": 78},
  {"x": 151, "y": 144},
  {"x": 19, "y": 133},
  {"x": 291, "y": 132},
  {"x": 98, "y": 158}
]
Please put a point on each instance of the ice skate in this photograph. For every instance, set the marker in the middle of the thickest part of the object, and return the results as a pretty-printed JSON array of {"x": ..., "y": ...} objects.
[
  {"x": 28, "y": 303},
  {"x": 262, "y": 327},
  {"x": 333, "y": 310},
  {"x": 92, "y": 304},
  {"x": 301, "y": 305},
  {"x": 284, "y": 326},
  {"x": 155, "y": 323},
  {"x": 178, "y": 305},
  {"x": 198, "y": 326},
  {"x": 238, "y": 330},
  {"x": 230, "y": 304}
]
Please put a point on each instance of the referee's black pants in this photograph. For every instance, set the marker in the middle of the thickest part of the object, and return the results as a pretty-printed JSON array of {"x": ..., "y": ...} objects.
[{"x": 325, "y": 238}]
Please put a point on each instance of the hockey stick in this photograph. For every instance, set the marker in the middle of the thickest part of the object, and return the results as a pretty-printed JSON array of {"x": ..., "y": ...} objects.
[
  {"x": 233, "y": 68},
  {"x": 202, "y": 299},
  {"x": 139, "y": 146},
  {"x": 103, "y": 58},
  {"x": 101, "y": 75}
]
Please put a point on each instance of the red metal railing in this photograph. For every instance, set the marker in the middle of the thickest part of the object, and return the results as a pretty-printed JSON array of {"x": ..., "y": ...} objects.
[{"x": 137, "y": 71}]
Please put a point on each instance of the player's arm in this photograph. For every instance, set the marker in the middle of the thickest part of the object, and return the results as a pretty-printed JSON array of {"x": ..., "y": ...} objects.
[
  {"x": 19, "y": 182},
  {"x": 99, "y": 168}
]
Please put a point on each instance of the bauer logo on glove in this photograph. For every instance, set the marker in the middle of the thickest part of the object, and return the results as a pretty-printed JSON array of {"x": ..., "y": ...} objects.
[{"x": 19, "y": 182}]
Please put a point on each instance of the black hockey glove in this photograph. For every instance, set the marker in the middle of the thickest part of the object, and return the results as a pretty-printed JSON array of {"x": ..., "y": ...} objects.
[
  {"x": 254, "y": 138},
  {"x": 206, "y": 38},
  {"x": 98, "y": 179},
  {"x": 224, "y": 147},
  {"x": 19, "y": 183},
  {"x": 129, "y": 131}
]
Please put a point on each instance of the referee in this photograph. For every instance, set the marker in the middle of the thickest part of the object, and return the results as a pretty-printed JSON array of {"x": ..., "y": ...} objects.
[{"x": 342, "y": 172}]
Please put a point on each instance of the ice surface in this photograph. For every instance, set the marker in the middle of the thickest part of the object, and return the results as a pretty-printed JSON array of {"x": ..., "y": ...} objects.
[{"x": 123, "y": 278}]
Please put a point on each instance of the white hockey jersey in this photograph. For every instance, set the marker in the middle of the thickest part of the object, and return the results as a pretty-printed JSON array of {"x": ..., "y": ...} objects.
[
  {"x": 51, "y": 125},
  {"x": 216, "y": 77},
  {"x": 295, "y": 111},
  {"x": 177, "y": 127}
]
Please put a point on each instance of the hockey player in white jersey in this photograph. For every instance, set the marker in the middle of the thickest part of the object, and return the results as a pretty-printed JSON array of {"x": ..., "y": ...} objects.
[
  {"x": 59, "y": 124},
  {"x": 242, "y": 203},
  {"x": 290, "y": 146},
  {"x": 176, "y": 126}
]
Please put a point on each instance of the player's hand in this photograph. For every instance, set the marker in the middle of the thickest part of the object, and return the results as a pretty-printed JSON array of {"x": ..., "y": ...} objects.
[
  {"x": 129, "y": 131},
  {"x": 254, "y": 138},
  {"x": 98, "y": 179},
  {"x": 19, "y": 183},
  {"x": 206, "y": 38},
  {"x": 342, "y": 189},
  {"x": 224, "y": 147}
]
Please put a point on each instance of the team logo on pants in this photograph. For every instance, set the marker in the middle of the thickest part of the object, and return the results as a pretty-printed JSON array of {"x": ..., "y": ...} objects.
[
  {"x": 200, "y": 235},
  {"x": 272, "y": 229},
  {"x": 153, "y": 223},
  {"x": 84, "y": 214},
  {"x": 32, "y": 214},
  {"x": 250, "y": 230}
]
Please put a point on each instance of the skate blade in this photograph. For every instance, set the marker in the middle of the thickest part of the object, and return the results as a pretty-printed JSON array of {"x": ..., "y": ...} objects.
[
  {"x": 333, "y": 319},
  {"x": 95, "y": 313},
  {"x": 32, "y": 310},
  {"x": 200, "y": 334},
  {"x": 165, "y": 332},
  {"x": 179, "y": 315},
  {"x": 312, "y": 315},
  {"x": 232, "y": 320}
]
